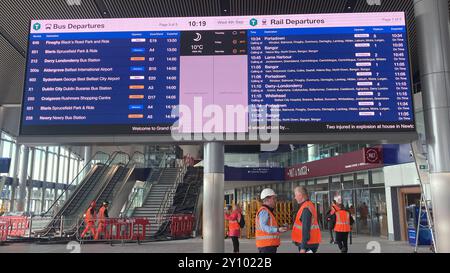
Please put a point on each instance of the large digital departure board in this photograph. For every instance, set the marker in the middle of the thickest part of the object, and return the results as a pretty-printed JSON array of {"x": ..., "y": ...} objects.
[{"x": 325, "y": 73}]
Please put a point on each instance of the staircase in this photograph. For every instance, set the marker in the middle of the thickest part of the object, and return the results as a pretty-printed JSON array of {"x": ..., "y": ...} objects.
[{"x": 156, "y": 197}]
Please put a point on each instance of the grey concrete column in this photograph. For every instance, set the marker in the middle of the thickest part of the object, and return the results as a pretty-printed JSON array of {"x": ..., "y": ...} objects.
[
  {"x": 87, "y": 156},
  {"x": 2, "y": 119},
  {"x": 30, "y": 187},
  {"x": 23, "y": 179},
  {"x": 15, "y": 178},
  {"x": 58, "y": 161},
  {"x": 213, "y": 197},
  {"x": 44, "y": 179},
  {"x": 432, "y": 20},
  {"x": 68, "y": 172}
]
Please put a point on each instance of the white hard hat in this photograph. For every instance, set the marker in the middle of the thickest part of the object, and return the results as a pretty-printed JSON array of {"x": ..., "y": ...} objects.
[{"x": 267, "y": 193}]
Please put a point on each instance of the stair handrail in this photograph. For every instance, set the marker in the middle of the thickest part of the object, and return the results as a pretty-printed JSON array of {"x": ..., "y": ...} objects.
[
  {"x": 55, "y": 223},
  {"x": 127, "y": 162},
  {"x": 172, "y": 213},
  {"x": 110, "y": 163},
  {"x": 148, "y": 185},
  {"x": 131, "y": 167},
  {"x": 169, "y": 195},
  {"x": 83, "y": 171}
]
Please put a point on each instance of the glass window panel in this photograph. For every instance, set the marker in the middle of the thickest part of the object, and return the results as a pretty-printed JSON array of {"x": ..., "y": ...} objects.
[
  {"x": 322, "y": 180},
  {"x": 362, "y": 180},
  {"x": 377, "y": 177}
]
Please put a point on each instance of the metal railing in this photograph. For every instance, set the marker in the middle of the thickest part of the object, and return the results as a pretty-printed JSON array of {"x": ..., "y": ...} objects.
[
  {"x": 135, "y": 202},
  {"x": 137, "y": 160},
  {"x": 116, "y": 159},
  {"x": 60, "y": 219},
  {"x": 165, "y": 219},
  {"x": 98, "y": 157},
  {"x": 168, "y": 198}
]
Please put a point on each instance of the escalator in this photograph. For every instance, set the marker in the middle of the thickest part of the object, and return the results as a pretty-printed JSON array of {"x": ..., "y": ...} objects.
[
  {"x": 119, "y": 176},
  {"x": 66, "y": 219}
]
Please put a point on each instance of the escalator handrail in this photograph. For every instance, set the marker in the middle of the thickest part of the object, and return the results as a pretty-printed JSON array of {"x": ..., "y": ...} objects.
[
  {"x": 110, "y": 164},
  {"x": 58, "y": 215},
  {"x": 73, "y": 181},
  {"x": 131, "y": 160},
  {"x": 130, "y": 167},
  {"x": 107, "y": 166},
  {"x": 72, "y": 197}
]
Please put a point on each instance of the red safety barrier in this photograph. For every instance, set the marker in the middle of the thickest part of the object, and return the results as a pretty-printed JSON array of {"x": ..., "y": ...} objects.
[
  {"x": 121, "y": 229},
  {"x": 4, "y": 228},
  {"x": 140, "y": 228},
  {"x": 182, "y": 225},
  {"x": 17, "y": 225}
]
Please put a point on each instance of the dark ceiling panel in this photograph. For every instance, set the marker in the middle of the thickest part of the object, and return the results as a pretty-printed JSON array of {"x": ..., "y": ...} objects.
[
  {"x": 15, "y": 15},
  {"x": 260, "y": 7},
  {"x": 12, "y": 66},
  {"x": 162, "y": 8}
]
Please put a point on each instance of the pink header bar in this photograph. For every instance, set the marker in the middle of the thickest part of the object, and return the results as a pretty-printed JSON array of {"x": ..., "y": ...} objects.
[{"x": 220, "y": 23}]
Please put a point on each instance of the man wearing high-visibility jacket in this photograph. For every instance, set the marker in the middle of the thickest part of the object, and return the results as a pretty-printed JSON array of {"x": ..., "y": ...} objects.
[
  {"x": 332, "y": 211},
  {"x": 306, "y": 231},
  {"x": 267, "y": 232},
  {"x": 89, "y": 220},
  {"x": 102, "y": 216},
  {"x": 343, "y": 222}
]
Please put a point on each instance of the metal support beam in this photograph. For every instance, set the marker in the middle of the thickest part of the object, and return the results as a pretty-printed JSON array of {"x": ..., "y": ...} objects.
[
  {"x": 432, "y": 21},
  {"x": 44, "y": 179},
  {"x": 30, "y": 180},
  {"x": 13, "y": 42},
  {"x": 213, "y": 197},
  {"x": 15, "y": 178},
  {"x": 58, "y": 161},
  {"x": 23, "y": 179},
  {"x": 68, "y": 171}
]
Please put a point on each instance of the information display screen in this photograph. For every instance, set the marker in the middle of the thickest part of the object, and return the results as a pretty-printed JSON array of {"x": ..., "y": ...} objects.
[{"x": 326, "y": 73}]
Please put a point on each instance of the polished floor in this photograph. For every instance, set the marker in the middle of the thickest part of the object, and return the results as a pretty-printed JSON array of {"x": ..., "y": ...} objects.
[{"x": 361, "y": 244}]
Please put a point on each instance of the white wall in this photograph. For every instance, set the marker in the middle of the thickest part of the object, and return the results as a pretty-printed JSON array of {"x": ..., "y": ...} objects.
[
  {"x": 397, "y": 176},
  {"x": 242, "y": 160}
]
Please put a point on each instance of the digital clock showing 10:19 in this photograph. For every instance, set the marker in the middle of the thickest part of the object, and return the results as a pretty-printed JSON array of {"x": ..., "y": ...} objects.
[{"x": 197, "y": 23}]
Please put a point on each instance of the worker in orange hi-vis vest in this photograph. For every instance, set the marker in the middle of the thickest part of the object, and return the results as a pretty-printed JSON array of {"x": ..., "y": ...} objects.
[
  {"x": 102, "y": 216},
  {"x": 306, "y": 231},
  {"x": 267, "y": 232},
  {"x": 343, "y": 222},
  {"x": 89, "y": 220},
  {"x": 331, "y": 212}
]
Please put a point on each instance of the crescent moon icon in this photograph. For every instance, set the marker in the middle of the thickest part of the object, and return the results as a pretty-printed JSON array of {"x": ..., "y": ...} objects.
[{"x": 199, "y": 37}]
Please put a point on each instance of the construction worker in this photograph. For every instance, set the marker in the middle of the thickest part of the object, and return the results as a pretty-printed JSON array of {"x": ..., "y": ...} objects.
[
  {"x": 306, "y": 231},
  {"x": 267, "y": 230},
  {"x": 332, "y": 211},
  {"x": 234, "y": 229},
  {"x": 89, "y": 220},
  {"x": 102, "y": 216},
  {"x": 343, "y": 222}
]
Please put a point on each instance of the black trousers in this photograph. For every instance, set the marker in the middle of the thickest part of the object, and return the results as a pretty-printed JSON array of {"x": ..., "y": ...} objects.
[
  {"x": 235, "y": 241},
  {"x": 342, "y": 241},
  {"x": 268, "y": 249},
  {"x": 331, "y": 228}
]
